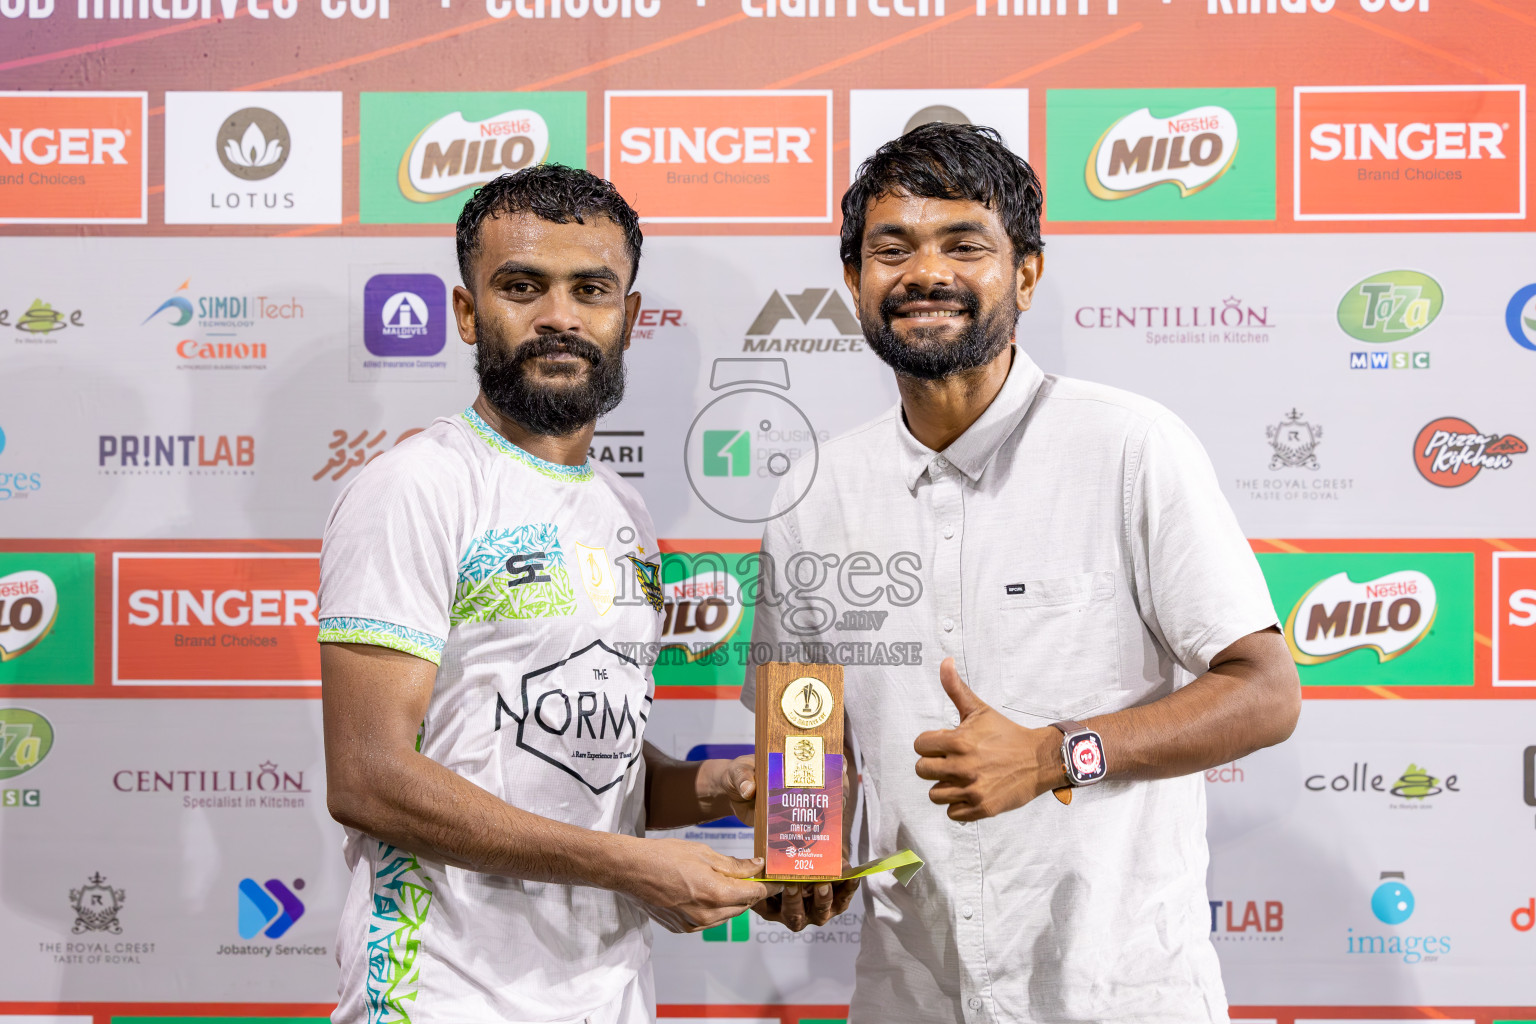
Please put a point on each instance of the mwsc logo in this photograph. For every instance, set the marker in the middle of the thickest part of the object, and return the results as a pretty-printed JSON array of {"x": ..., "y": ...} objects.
[{"x": 268, "y": 910}]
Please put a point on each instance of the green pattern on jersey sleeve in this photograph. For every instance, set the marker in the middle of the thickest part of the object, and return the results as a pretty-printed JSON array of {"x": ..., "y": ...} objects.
[
  {"x": 346, "y": 630},
  {"x": 550, "y": 470},
  {"x": 516, "y": 573}
]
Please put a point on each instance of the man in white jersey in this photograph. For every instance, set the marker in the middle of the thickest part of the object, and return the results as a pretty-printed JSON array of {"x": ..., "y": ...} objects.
[{"x": 484, "y": 592}]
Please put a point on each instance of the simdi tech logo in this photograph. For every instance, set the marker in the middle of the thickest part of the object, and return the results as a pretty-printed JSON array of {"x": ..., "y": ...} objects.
[
  {"x": 1160, "y": 154},
  {"x": 1514, "y": 618},
  {"x": 743, "y": 157},
  {"x": 47, "y": 618},
  {"x": 215, "y": 619},
  {"x": 235, "y": 158},
  {"x": 1375, "y": 618},
  {"x": 422, "y": 152},
  {"x": 1404, "y": 152},
  {"x": 73, "y": 157},
  {"x": 221, "y": 325}
]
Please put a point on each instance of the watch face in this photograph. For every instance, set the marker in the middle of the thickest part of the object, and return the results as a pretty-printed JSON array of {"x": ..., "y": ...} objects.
[{"x": 1085, "y": 758}]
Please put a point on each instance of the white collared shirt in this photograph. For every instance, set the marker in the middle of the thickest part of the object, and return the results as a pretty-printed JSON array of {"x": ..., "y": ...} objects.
[{"x": 1073, "y": 553}]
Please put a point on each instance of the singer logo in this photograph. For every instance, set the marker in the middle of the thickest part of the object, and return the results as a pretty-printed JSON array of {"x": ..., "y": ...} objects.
[
  {"x": 216, "y": 619},
  {"x": 1514, "y": 618},
  {"x": 1387, "y": 615},
  {"x": 72, "y": 157},
  {"x": 722, "y": 157},
  {"x": 1449, "y": 152}
]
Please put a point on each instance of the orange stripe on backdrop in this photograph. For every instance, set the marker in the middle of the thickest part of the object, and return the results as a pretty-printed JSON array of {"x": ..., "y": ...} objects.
[
  {"x": 639, "y": 51},
  {"x": 107, "y": 44},
  {"x": 1517, "y": 15},
  {"x": 1062, "y": 58},
  {"x": 364, "y": 58},
  {"x": 1502, "y": 545},
  {"x": 849, "y": 58},
  {"x": 1407, "y": 40}
]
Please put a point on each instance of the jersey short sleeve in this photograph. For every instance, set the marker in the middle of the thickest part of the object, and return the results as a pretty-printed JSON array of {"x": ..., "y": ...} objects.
[{"x": 389, "y": 558}]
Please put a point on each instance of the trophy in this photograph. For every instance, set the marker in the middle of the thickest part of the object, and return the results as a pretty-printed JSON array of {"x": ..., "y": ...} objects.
[{"x": 798, "y": 822}]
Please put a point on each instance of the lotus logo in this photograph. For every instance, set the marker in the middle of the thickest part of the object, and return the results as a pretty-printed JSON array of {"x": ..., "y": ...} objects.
[
  {"x": 1388, "y": 615},
  {"x": 253, "y": 144},
  {"x": 1191, "y": 150},
  {"x": 29, "y": 605},
  {"x": 452, "y": 154},
  {"x": 1390, "y": 306}
]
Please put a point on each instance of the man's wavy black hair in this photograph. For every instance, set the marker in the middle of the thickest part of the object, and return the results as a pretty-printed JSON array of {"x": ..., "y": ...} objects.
[
  {"x": 550, "y": 192},
  {"x": 948, "y": 161}
]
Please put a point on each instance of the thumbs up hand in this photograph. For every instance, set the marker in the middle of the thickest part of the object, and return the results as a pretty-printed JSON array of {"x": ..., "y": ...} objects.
[{"x": 987, "y": 764}]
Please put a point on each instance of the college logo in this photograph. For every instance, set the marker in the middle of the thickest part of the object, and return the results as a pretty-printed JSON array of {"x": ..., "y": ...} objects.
[
  {"x": 1449, "y": 152},
  {"x": 1375, "y": 618},
  {"x": 422, "y": 152},
  {"x": 268, "y": 910},
  {"x": 47, "y": 619},
  {"x": 39, "y": 323},
  {"x": 1161, "y": 154},
  {"x": 96, "y": 905},
  {"x": 1414, "y": 784},
  {"x": 215, "y": 619},
  {"x": 1449, "y": 451},
  {"x": 73, "y": 157},
  {"x": 1520, "y": 317},
  {"x": 758, "y": 156},
  {"x": 1514, "y": 619},
  {"x": 1390, "y": 306},
  {"x": 1293, "y": 441},
  {"x": 405, "y": 315},
  {"x": 228, "y": 162},
  {"x": 25, "y": 739},
  {"x": 876, "y": 116}
]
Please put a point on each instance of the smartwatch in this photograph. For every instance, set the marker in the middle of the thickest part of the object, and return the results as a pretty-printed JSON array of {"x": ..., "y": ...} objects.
[{"x": 1082, "y": 757}]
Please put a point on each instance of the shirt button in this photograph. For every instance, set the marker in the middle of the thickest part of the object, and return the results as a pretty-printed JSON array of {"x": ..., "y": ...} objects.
[
  {"x": 949, "y": 531},
  {"x": 967, "y": 911},
  {"x": 949, "y": 625},
  {"x": 940, "y": 462},
  {"x": 974, "y": 1002}
]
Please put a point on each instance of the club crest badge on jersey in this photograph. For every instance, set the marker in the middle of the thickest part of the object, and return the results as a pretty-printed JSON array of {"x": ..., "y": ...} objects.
[
  {"x": 596, "y": 577},
  {"x": 649, "y": 575}
]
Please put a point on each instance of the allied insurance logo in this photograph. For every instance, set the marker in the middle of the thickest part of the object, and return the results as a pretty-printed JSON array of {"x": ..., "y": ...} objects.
[
  {"x": 1375, "y": 618},
  {"x": 1161, "y": 154},
  {"x": 215, "y": 619},
  {"x": 744, "y": 157},
  {"x": 423, "y": 152},
  {"x": 73, "y": 157},
  {"x": 1438, "y": 152}
]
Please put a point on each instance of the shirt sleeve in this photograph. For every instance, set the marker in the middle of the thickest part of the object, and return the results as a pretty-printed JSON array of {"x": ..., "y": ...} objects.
[
  {"x": 1198, "y": 583},
  {"x": 388, "y": 562}
]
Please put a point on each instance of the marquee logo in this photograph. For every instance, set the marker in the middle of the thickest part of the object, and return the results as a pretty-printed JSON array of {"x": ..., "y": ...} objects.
[
  {"x": 1190, "y": 150},
  {"x": 452, "y": 154},
  {"x": 73, "y": 157},
  {"x": 1160, "y": 154},
  {"x": 253, "y": 144},
  {"x": 1450, "y": 452},
  {"x": 1390, "y": 306},
  {"x": 760, "y": 157},
  {"x": 1514, "y": 618},
  {"x": 1439, "y": 152},
  {"x": 1388, "y": 615}
]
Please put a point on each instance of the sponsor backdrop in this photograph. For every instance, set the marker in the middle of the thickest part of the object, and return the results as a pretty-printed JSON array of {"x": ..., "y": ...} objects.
[{"x": 1301, "y": 224}]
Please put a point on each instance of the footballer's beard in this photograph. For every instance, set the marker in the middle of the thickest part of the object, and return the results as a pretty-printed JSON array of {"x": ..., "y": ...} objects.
[
  {"x": 932, "y": 353},
  {"x": 540, "y": 405}
]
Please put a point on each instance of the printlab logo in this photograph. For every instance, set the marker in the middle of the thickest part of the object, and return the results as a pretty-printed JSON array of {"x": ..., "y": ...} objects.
[
  {"x": 1450, "y": 452},
  {"x": 1253, "y": 921},
  {"x": 1393, "y": 904},
  {"x": 40, "y": 322},
  {"x": 175, "y": 454},
  {"x": 1520, "y": 317},
  {"x": 348, "y": 452},
  {"x": 96, "y": 905},
  {"x": 819, "y": 315},
  {"x": 253, "y": 144},
  {"x": 1294, "y": 442},
  {"x": 268, "y": 910}
]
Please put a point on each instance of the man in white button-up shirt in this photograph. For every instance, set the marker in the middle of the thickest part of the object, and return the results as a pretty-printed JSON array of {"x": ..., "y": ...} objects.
[{"x": 1019, "y": 551}]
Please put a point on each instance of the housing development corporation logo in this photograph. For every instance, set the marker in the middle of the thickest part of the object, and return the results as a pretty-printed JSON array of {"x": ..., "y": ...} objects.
[
  {"x": 1161, "y": 154},
  {"x": 73, "y": 157},
  {"x": 423, "y": 152},
  {"x": 1450, "y": 452},
  {"x": 268, "y": 910},
  {"x": 754, "y": 156},
  {"x": 1375, "y": 618},
  {"x": 1393, "y": 904},
  {"x": 1404, "y": 152}
]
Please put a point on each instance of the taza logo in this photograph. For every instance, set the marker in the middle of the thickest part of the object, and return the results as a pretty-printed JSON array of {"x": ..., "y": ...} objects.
[
  {"x": 1388, "y": 615},
  {"x": 253, "y": 144},
  {"x": 25, "y": 739},
  {"x": 1390, "y": 306},
  {"x": 1449, "y": 451},
  {"x": 1139, "y": 151},
  {"x": 452, "y": 154}
]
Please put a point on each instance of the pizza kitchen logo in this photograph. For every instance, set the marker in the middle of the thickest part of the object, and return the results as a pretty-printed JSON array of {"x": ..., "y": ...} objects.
[{"x": 1450, "y": 452}]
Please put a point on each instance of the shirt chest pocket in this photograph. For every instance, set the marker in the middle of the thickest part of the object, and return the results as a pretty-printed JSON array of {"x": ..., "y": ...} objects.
[{"x": 1059, "y": 646}]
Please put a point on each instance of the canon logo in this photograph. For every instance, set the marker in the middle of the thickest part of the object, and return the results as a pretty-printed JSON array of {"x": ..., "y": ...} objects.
[
  {"x": 64, "y": 146},
  {"x": 1416, "y": 140},
  {"x": 754, "y": 145},
  {"x": 228, "y": 608}
]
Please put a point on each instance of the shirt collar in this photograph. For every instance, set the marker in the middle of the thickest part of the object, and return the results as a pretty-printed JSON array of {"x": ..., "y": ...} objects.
[{"x": 973, "y": 451}]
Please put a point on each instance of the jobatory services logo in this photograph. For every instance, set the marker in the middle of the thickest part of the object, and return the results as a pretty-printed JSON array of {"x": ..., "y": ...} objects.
[
  {"x": 231, "y": 161},
  {"x": 39, "y": 323},
  {"x": 268, "y": 910},
  {"x": 744, "y": 157},
  {"x": 1514, "y": 619},
  {"x": 1405, "y": 152},
  {"x": 222, "y": 330},
  {"x": 1392, "y": 904},
  {"x": 73, "y": 157},
  {"x": 876, "y": 116},
  {"x": 1450, "y": 452},
  {"x": 26, "y": 737},
  {"x": 215, "y": 619},
  {"x": 1375, "y": 618},
  {"x": 1161, "y": 154},
  {"x": 423, "y": 152},
  {"x": 1520, "y": 317},
  {"x": 47, "y": 618}
]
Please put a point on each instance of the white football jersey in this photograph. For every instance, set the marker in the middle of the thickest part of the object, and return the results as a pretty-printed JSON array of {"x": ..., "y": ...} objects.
[{"x": 534, "y": 588}]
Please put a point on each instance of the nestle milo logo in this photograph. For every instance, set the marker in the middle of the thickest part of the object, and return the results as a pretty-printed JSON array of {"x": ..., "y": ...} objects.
[
  {"x": 1388, "y": 615},
  {"x": 1390, "y": 306}
]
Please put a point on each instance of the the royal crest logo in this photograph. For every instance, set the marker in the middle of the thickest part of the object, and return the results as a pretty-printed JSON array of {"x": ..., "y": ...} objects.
[
  {"x": 1388, "y": 615},
  {"x": 1294, "y": 442},
  {"x": 96, "y": 906},
  {"x": 1190, "y": 150},
  {"x": 1449, "y": 451},
  {"x": 649, "y": 575}
]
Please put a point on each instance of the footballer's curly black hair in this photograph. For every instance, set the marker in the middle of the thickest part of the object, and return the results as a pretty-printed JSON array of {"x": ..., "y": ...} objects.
[
  {"x": 948, "y": 161},
  {"x": 551, "y": 192}
]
